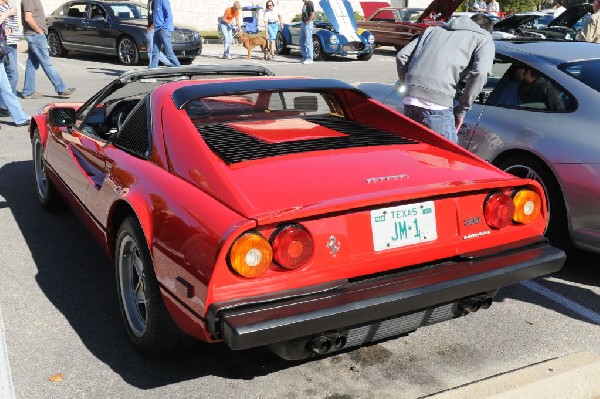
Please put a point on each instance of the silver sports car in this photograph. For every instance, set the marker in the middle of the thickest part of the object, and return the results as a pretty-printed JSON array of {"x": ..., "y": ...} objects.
[{"x": 545, "y": 128}]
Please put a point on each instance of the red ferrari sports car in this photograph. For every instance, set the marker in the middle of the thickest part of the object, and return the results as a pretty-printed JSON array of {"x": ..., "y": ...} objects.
[{"x": 288, "y": 212}]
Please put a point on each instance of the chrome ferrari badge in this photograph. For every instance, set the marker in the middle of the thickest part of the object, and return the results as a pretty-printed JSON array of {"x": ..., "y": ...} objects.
[
  {"x": 334, "y": 245},
  {"x": 381, "y": 179}
]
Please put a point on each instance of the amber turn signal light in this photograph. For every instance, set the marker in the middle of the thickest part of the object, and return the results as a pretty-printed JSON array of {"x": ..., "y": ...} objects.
[
  {"x": 250, "y": 255},
  {"x": 528, "y": 206}
]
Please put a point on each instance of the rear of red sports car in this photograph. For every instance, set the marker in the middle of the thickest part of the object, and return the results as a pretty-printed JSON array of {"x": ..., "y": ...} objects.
[{"x": 293, "y": 213}]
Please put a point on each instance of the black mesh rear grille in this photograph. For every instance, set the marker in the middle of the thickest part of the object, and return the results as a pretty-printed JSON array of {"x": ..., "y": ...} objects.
[
  {"x": 134, "y": 136},
  {"x": 234, "y": 146}
]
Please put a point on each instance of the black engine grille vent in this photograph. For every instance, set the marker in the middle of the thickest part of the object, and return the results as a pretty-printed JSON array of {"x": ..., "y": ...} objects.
[
  {"x": 134, "y": 135},
  {"x": 233, "y": 146}
]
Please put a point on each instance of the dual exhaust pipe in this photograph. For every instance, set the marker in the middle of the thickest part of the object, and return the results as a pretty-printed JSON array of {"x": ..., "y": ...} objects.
[
  {"x": 324, "y": 343},
  {"x": 473, "y": 304}
]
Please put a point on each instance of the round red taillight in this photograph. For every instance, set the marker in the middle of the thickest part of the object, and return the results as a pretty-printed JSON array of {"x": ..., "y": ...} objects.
[
  {"x": 498, "y": 210},
  {"x": 292, "y": 246}
]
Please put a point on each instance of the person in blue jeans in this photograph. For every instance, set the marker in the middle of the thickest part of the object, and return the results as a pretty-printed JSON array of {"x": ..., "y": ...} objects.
[
  {"x": 150, "y": 37},
  {"x": 10, "y": 60},
  {"x": 12, "y": 39},
  {"x": 306, "y": 29},
  {"x": 9, "y": 99},
  {"x": 35, "y": 29},
  {"x": 432, "y": 72},
  {"x": 163, "y": 27},
  {"x": 226, "y": 27}
]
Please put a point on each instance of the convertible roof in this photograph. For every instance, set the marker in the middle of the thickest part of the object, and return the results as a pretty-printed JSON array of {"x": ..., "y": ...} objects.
[
  {"x": 185, "y": 94},
  {"x": 194, "y": 71}
]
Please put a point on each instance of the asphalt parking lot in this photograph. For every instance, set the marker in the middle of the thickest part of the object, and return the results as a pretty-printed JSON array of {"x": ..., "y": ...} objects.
[{"x": 61, "y": 334}]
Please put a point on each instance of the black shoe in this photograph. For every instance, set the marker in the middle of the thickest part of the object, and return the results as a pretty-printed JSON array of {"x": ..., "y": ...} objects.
[
  {"x": 4, "y": 112},
  {"x": 22, "y": 124},
  {"x": 67, "y": 92}
]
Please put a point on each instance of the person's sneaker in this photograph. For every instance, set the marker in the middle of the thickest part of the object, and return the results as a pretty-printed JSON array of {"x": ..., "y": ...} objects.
[
  {"x": 26, "y": 123},
  {"x": 307, "y": 62},
  {"x": 68, "y": 91},
  {"x": 4, "y": 112},
  {"x": 34, "y": 95}
]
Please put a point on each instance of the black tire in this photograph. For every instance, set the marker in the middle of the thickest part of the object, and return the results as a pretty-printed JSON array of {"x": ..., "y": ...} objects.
[
  {"x": 46, "y": 192},
  {"x": 281, "y": 46},
  {"x": 527, "y": 167},
  {"x": 128, "y": 51},
  {"x": 186, "y": 61},
  {"x": 365, "y": 56},
  {"x": 55, "y": 46},
  {"x": 147, "y": 321},
  {"x": 318, "y": 53}
]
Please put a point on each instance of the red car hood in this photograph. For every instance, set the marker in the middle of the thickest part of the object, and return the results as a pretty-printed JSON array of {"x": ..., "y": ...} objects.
[{"x": 331, "y": 180}]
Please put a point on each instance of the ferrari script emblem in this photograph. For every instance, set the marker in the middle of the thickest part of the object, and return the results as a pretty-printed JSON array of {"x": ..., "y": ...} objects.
[{"x": 334, "y": 245}]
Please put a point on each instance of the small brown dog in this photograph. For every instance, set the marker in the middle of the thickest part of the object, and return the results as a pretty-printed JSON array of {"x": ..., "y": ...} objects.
[{"x": 251, "y": 41}]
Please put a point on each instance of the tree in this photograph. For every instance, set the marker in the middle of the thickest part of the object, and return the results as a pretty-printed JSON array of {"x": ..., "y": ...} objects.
[{"x": 514, "y": 6}]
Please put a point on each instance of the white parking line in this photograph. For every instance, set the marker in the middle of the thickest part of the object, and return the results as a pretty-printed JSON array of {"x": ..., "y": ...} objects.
[
  {"x": 566, "y": 302},
  {"x": 6, "y": 387}
]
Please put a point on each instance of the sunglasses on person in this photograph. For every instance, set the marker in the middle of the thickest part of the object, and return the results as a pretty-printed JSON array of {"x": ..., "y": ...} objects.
[{"x": 270, "y": 5}]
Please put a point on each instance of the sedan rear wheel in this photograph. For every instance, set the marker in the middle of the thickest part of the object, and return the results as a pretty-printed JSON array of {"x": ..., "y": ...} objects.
[
  {"x": 128, "y": 51},
  {"x": 55, "y": 47},
  {"x": 147, "y": 321},
  {"x": 44, "y": 188},
  {"x": 525, "y": 167}
]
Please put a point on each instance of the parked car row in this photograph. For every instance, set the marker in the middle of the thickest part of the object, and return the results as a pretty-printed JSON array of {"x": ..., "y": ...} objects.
[{"x": 397, "y": 26}]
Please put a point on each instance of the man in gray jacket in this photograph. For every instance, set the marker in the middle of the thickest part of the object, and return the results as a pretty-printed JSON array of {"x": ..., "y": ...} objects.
[{"x": 432, "y": 66}]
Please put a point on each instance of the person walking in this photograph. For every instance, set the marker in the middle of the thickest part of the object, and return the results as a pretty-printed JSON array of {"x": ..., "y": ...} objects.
[
  {"x": 163, "y": 27},
  {"x": 273, "y": 22},
  {"x": 431, "y": 72},
  {"x": 591, "y": 28},
  {"x": 7, "y": 96},
  {"x": 226, "y": 28},
  {"x": 10, "y": 60},
  {"x": 306, "y": 28},
  {"x": 150, "y": 38},
  {"x": 35, "y": 30}
]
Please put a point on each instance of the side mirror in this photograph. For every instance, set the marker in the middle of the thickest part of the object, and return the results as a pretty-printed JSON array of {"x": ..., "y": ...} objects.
[{"x": 62, "y": 117}]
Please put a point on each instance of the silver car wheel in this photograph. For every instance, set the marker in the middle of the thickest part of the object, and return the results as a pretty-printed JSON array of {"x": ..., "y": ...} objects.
[
  {"x": 134, "y": 285},
  {"x": 128, "y": 51}
]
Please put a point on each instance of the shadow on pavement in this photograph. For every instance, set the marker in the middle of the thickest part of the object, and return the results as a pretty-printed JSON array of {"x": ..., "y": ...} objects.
[{"x": 77, "y": 277}]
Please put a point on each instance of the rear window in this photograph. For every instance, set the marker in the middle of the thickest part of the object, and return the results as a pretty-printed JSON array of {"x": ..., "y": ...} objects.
[
  {"x": 587, "y": 72},
  {"x": 262, "y": 105}
]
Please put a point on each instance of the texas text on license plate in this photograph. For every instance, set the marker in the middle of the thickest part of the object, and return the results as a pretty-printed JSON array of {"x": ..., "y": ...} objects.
[{"x": 403, "y": 225}]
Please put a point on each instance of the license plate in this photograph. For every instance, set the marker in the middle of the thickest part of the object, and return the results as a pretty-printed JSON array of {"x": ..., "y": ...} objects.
[{"x": 403, "y": 225}]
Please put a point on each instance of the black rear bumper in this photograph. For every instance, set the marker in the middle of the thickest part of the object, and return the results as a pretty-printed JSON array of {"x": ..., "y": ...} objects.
[{"x": 249, "y": 324}]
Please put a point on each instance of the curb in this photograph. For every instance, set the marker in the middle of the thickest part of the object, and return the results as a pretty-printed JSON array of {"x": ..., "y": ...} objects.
[{"x": 570, "y": 376}]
